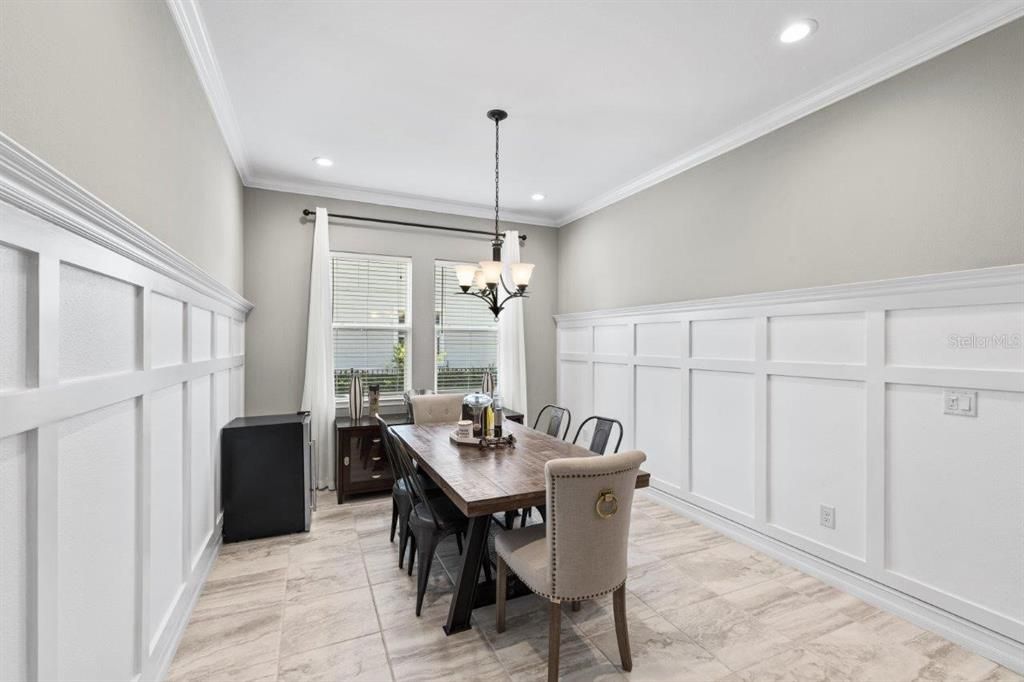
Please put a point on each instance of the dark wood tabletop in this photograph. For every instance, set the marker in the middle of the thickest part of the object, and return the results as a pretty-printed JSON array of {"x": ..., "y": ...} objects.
[{"x": 487, "y": 481}]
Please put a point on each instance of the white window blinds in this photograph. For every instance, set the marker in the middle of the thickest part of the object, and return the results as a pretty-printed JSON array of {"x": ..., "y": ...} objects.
[
  {"x": 371, "y": 321},
  {"x": 465, "y": 335}
]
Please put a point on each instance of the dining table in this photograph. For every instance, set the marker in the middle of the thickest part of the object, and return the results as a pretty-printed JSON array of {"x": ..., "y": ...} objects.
[{"x": 481, "y": 482}]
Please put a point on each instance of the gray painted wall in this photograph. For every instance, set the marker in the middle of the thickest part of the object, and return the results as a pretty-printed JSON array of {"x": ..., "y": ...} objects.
[
  {"x": 278, "y": 246},
  {"x": 921, "y": 173},
  {"x": 105, "y": 92}
]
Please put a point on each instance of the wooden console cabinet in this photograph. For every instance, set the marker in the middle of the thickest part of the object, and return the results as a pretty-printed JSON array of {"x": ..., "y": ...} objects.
[{"x": 361, "y": 465}]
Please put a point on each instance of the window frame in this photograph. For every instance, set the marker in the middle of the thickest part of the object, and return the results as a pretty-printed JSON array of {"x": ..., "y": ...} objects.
[
  {"x": 460, "y": 327},
  {"x": 387, "y": 399}
]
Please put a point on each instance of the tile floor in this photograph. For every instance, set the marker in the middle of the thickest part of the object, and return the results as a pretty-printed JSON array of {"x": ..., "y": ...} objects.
[{"x": 333, "y": 605}]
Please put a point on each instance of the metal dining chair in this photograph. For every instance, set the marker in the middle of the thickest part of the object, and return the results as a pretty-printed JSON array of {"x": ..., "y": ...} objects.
[
  {"x": 602, "y": 433},
  {"x": 589, "y": 500},
  {"x": 431, "y": 519},
  {"x": 401, "y": 495},
  {"x": 555, "y": 415}
]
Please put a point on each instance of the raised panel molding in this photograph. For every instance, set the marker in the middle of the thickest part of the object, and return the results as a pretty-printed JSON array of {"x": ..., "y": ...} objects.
[
  {"x": 100, "y": 567},
  {"x": 767, "y": 406}
]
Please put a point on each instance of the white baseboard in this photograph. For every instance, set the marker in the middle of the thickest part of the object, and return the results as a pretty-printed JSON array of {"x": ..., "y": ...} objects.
[
  {"x": 980, "y": 640},
  {"x": 159, "y": 663}
]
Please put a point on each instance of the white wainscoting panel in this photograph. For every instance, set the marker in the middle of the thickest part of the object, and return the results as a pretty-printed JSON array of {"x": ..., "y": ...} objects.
[
  {"x": 167, "y": 325},
  {"x": 111, "y": 402},
  {"x": 613, "y": 339},
  {"x": 659, "y": 339},
  {"x": 97, "y": 457},
  {"x": 839, "y": 337},
  {"x": 756, "y": 410},
  {"x": 954, "y": 487},
  {"x": 201, "y": 467},
  {"x": 166, "y": 484},
  {"x": 969, "y": 337},
  {"x": 15, "y": 556},
  {"x": 659, "y": 396},
  {"x": 722, "y": 438},
  {"x": 817, "y": 441},
  {"x": 16, "y": 282},
  {"x": 98, "y": 324},
  {"x": 729, "y": 339}
]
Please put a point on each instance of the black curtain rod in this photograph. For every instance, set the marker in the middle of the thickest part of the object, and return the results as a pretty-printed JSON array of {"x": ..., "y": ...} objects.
[{"x": 307, "y": 213}]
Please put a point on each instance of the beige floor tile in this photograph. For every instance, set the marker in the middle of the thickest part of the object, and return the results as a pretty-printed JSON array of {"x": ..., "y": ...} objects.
[
  {"x": 312, "y": 621},
  {"x": 241, "y": 593},
  {"x": 578, "y": 661},
  {"x": 337, "y": 546},
  {"x": 524, "y": 644},
  {"x": 421, "y": 651},
  {"x": 892, "y": 627},
  {"x": 860, "y": 654},
  {"x": 395, "y": 600},
  {"x": 664, "y": 588},
  {"x": 673, "y": 541},
  {"x": 595, "y": 615},
  {"x": 947, "y": 661},
  {"x": 356, "y": 660},
  {"x": 662, "y": 652},
  {"x": 729, "y": 567},
  {"x": 735, "y": 637},
  {"x": 253, "y": 556},
  {"x": 345, "y": 572},
  {"x": 795, "y": 616},
  {"x": 264, "y": 671},
  {"x": 224, "y": 646},
  {"x": 847, "y": 604},
  {"x": 382, "y": 565},
  {"x": 795, "y": 665}
]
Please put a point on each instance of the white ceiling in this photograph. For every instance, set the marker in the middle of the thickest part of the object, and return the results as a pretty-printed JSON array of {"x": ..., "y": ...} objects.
[{"x": 604, "y": 98}]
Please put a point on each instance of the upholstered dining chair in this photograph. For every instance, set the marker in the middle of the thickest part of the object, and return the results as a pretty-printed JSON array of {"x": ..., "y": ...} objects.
[
  {"x": 436, "y": 409},
  {"x": 580, "y": 551},
  {"x": 603, "y": 429}
]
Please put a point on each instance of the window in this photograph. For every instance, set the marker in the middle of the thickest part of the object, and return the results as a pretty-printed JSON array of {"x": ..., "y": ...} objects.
[
  {"x": 371, "y": 322},
  {"x": 465, "y": 335}
]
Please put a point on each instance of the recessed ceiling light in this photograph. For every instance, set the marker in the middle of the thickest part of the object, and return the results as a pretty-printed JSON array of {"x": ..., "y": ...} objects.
[
  {"x": 323, "y": 161},
  {"x": 798, "y": 30},
  {"x": 537, "y": 197}
]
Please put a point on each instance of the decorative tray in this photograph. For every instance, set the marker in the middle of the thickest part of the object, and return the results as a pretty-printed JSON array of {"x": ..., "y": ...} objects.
[{"x": 508, "y": 441}]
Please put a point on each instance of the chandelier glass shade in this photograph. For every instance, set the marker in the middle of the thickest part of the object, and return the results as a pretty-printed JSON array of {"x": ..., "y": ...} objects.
[{"x": 486, "y": 279}]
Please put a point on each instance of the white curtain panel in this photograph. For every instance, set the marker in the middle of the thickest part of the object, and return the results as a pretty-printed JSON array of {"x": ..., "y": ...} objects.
[
  {"x": 511, "y": 337},
  {"x": 318, "y": 390}
]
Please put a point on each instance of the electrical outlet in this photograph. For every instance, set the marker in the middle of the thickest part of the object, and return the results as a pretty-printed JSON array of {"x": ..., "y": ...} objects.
[{"x": 828, "y": 516}]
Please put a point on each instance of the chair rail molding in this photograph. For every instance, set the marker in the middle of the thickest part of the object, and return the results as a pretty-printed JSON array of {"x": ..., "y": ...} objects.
[
  {"x": 756, "y": 411},
  {"x": 120, "y": 360}
]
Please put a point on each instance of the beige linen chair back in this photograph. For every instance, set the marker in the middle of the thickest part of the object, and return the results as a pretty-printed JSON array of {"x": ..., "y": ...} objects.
[
  {"x": 589, "y": 500},
  {"x": 436, "y": 409}
]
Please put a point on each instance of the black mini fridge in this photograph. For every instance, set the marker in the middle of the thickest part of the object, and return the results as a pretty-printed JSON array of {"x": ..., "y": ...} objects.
[{"x": 268, "y": 486}]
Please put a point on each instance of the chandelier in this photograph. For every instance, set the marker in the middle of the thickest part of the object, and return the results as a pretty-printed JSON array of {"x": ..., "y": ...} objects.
[{"x": 483, "y": 280}]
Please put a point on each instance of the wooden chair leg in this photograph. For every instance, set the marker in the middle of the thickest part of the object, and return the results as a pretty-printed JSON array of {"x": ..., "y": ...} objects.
[
  {"x": 554, "y": 639},
  {"x": 621, "y": 631},
  {"x": 500, "y": 594}
]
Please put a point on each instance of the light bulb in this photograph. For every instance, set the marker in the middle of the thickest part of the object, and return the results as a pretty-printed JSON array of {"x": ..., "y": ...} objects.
[
  {"x": 492, "y": 271},
  {"x": 465, "y": 274}
]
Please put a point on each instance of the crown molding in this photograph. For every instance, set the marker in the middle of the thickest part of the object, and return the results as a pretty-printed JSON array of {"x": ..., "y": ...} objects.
[
  {"x": 193, "y": 32},
  {"x": 29, "y": 183},
  {"x": 396, "y": 199},
  {"x": 943, "y": 38},
  {"x": 997, "y": 276}
]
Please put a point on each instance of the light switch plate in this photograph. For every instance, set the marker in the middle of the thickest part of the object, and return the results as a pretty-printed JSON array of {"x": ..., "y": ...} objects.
[{"x": 960, "y": 403}]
